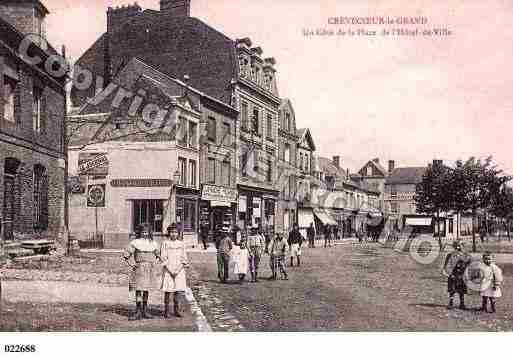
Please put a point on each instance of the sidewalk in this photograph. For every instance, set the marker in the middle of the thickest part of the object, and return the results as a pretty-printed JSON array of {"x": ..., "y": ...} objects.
[{"x": 67, "y": 306}]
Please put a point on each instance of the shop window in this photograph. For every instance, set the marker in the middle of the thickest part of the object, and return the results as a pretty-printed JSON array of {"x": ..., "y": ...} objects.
[
  {"x": 186, "y": 214},
  {"x": 148, "y": 211},
  {"x": 211, "y": 170},
  {"x": 225, "y": 173},
  {"x": 212, "y": 129},
  {"x": 10, "y": 103},
  {"x": 182, "y": 168},
  {"x": 40, "y": 185},
  {"x": 227, "y": 134},
  {"x": 244, "y": 116},
  {"x": 192, "y": 173},
  {"x": 38, "y": 110}
]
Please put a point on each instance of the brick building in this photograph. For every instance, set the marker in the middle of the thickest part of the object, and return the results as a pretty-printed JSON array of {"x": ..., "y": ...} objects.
[
  {"x": 32, "y": 111},
  {"x": 233, "y": 72}
]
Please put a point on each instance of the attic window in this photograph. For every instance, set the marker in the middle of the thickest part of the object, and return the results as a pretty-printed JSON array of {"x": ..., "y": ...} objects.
[{"x": 369, "y": 171}]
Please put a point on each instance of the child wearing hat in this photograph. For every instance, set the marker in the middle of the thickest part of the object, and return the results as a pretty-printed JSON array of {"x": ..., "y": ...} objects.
[{"x": 491, "y": 282}]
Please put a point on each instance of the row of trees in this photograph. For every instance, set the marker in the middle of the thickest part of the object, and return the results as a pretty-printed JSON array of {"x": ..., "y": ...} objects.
[{"x": 474, "y": 186}]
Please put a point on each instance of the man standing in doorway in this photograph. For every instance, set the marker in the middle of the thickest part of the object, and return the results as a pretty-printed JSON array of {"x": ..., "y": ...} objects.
[{"x": 295, "y": 241}]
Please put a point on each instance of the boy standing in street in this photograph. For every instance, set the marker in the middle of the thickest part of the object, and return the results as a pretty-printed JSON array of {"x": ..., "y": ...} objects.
[
  {"x": 454, "y": 268},
  {"x": 295, "y": 241}
]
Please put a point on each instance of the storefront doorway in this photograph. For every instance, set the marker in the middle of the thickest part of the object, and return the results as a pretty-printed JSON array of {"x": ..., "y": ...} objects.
[{"x": 148, "y": 211}]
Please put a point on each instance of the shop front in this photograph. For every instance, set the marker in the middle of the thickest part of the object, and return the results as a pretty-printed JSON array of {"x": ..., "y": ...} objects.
[
  {"x": 323, "y": 220},
  {"x": 257, "y": 208},
  {"x": 217, "y": 207},
  {"x": 305, "y": 218}
]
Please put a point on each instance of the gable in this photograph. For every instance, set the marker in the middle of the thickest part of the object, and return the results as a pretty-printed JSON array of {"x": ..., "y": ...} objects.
[{"x": 371, "y": 169}]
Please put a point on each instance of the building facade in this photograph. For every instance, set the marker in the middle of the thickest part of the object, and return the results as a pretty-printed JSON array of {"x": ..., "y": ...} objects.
[
  {"x": 288, "y": 169},
  {"x": 32, "y": 112},
  {"x": 306, "y": 182}
]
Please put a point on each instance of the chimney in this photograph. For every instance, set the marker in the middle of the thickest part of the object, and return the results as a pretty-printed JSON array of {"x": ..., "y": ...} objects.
[
  {"x": 336, "y": 161},
  {"x": 391, "y": 166},
  {"x": 119, "y": 15},
  {"x": 176, "y": 7}
]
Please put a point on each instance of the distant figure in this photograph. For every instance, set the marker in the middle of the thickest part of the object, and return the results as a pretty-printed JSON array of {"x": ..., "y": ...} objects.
[
  {"x": 174, "y": 260},
  {"x": 224, "y": 246},
  {"x": 204, "y": 231},
  {"x": 491, "y": 283},
  {"x": 455, "y": 265},
  {"x": 310, "y": 233},
  {"x": 141, "y": 255},
  {"x": 295, "y": 242},
  {"x": 482, "y": 233},
  {"x": 327, "y": 236}
]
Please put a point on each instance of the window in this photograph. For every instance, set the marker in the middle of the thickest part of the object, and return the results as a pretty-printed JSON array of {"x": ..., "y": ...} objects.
[
  {"x": 287, "y": 121},
  {"x": 270, "y": 127},
  {"x": 9, "y": 99},
  {"x": 301, "y": 161},
  {"x": 307, "y": 163},
  {"x": 369, "y": 171},
  {"x": 148, "y": 211},
  {"x": 193, "y": 135},
  {"x": 256, "y": 121},
  {"x": 212, "y": 129},
  {"x": 291, "y": 186},
  {"x": 269, "y": 174},
  {"x": 40, "y": 185},
  {"x": 37, "y": 110},
  {"x": 243, "y": 163},
  {"x": 192, "y": 173},
  {"x": 186, "y": 214},
  {"x": 227, "y": 134},
  {"x": 211, "y": 170},
  {"x": 255, "y": 162},
  {"x": 393, "y": 191},
  {"x": 225, "y": 173},
  {"x": 244, "y": 116},
  {"x": 182, "y": 132},
  {"x": 393, "y": 207},
  {"x": 286, "y": 153},
  {"x": 182, "y": 168},
  {"x": 12, "y": 202}
]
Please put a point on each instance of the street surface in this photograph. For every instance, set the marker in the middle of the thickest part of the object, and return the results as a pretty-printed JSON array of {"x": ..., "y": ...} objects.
[{"x": 349, "y": 287}]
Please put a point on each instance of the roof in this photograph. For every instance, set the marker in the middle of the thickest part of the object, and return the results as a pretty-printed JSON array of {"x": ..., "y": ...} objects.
[
  {"x": 327, "y": 166},
  {"x": 406, "y": 175},
  {"x": 376, "y": 164},
  {"x": 305, "y": 133},
  {"x": 38, "y": 3},
  {"x": 177, "y": 46}
]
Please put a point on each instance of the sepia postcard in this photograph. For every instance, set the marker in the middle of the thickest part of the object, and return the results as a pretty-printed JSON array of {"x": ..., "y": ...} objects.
[{"x": 292, "y": 166}]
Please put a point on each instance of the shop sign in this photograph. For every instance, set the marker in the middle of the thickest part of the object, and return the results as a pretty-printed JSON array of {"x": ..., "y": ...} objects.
[
  {"x": 219, "y": 194},
  {"x": 93, "y": 164},
  {"x": 142, "y": 182},
  {"x": 96, "y": 195}
]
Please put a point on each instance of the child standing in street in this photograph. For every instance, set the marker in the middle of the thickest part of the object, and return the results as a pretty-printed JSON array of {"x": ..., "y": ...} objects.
[
  {"x": 241, "y": 260},
  {"x": 491, "y": 282}
]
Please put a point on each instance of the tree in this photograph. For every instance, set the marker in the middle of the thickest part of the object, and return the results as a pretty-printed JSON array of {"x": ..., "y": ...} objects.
[
  {"x": 474, "y": 184},
  {"x": 432, "y": 195},
  {"x": 502, "y": 207}
]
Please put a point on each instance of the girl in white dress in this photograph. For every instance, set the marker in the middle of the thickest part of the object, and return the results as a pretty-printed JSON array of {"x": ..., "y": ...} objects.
[
  {"x": 491, "y": 282},
  {"x": 241, "y": 260},
  {"x": 174, "y": 259}
]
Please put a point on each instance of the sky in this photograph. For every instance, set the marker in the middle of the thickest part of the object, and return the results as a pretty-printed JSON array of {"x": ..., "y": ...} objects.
[{"x": 406, "y": 98}]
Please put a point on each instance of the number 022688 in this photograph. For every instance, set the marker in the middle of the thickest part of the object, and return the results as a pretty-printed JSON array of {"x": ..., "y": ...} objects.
[{"x": 20, "y": 348}]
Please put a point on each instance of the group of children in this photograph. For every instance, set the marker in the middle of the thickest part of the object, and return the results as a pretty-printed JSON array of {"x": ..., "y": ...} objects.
[{"x": 241, "y": 257}]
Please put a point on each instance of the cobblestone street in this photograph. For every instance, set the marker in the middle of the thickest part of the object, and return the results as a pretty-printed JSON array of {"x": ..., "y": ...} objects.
[{"x": 349, "y": 287}]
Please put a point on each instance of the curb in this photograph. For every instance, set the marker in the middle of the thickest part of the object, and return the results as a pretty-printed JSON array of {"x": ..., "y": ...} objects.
[{"x": 199, "y": 318}]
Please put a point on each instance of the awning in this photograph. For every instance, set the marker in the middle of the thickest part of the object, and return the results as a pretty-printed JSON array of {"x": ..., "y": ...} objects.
[
  {"x": 220, "y": 204},
  {"x": 324, "y": 217},
  {"x": 305, "y": 217},
  {"x": 419, "y": 221}
]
